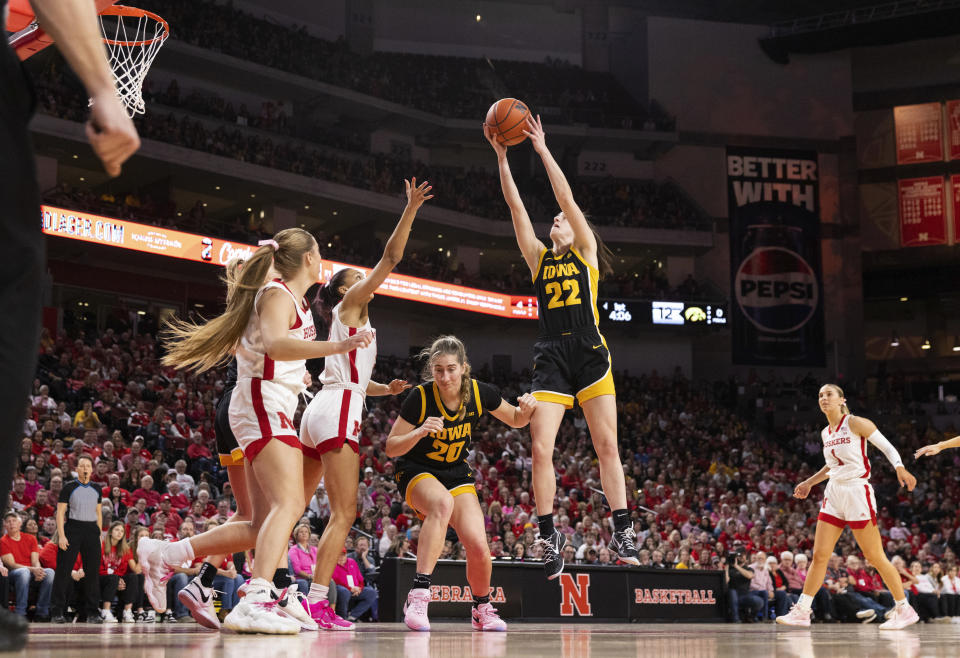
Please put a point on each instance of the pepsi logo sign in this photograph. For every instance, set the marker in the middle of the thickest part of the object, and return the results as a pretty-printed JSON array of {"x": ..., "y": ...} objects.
[{"x": 776, "y": 290}]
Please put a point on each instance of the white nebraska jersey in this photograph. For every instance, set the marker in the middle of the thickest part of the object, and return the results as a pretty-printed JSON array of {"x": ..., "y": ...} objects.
[
  {"x": 354, "y": 367},
  {"x": 845, "y": 452},
  {"x": 252, "y": 359}
]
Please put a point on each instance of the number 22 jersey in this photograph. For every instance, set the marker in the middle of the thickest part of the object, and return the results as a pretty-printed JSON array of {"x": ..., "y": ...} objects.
[{"x": 447, "y": 449}]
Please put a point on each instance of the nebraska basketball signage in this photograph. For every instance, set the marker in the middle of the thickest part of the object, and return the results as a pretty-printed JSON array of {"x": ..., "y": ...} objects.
[
  {"x": 773, "y": 199},
  {"x": 110, "y": 232}
]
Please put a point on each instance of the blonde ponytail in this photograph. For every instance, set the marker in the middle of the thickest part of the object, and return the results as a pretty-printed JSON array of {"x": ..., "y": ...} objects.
[
  {"x": 203, "y": 346},
  {"x": 453, "y": 346}
]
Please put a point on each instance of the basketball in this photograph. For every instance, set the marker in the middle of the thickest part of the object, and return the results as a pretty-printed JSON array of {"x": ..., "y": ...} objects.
[{"x": 508, "y": 118}]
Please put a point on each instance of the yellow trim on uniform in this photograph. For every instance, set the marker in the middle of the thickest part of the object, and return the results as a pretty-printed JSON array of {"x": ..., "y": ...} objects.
[
  {"x": 462, "y": 489},
  {"x": 540, "y": 264},
  {"x": 423, "y": 404},
  {"x": 476, "y": 396},
  {"x": 604, "y": 385},
  {"x": 443, "y": 409},
  {"x": 412, "y": 483},
  {"x": 552, "y": 396},
  {"x": 594, "y": 275},
  {"x": 235, "y": 458}
]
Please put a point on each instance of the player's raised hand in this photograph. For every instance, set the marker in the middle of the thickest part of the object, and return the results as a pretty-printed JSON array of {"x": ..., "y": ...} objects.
[
  {"x": 431, "y": 424},
  {"x": 930, "y": 450},
  {"x": 360, "y": 339},
  {"x": 536, "y": 134},
  {"x": 905, "y": 478},
  {"x": 110, "y": 131},
  {"x": 802, "y": 490},
  {"x": 398, "y": 386},
  {"x": 307, "y": 379},
  {"x": 417, "y": 194},
  {"x": 491, "y": 136}
]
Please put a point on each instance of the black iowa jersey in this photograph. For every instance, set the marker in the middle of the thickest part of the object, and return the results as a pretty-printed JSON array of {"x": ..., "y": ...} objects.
[
  {"x": 566, "y": 293},
  {"x": 449, "y": 448}
]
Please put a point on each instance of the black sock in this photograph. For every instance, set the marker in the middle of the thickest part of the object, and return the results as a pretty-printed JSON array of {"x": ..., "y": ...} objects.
[
  {"x": 207, "y": 572},
  {"x": 281, "y": 578},
  {"x": 621, "y": 519},
  {"x": 421, "y": 581},
  {"x": 546, "y": 525},
  {"x": 480, "y": 600}
]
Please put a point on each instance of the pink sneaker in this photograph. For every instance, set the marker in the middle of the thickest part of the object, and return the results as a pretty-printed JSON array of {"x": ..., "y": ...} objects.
[
  {"x": 902, "y": 617},
  {"x": 485, "y": 618},
  {"x": 327, "y": 619},
  {"x": 796, "y": 617},
  {"x": 415, "y": 610},
  {"x": 156, "y": 572}
]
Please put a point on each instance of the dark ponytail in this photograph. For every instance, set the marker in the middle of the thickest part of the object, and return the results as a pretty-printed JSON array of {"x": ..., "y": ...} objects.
[
  {"x": 604, "y": 255},
  {"x": 327, "y": 297}
]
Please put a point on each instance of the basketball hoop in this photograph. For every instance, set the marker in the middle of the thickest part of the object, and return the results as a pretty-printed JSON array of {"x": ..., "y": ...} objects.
[{"x": 133, "y": 37}]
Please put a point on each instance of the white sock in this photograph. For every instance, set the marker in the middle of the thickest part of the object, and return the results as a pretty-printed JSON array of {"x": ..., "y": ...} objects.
[
  {"x": 317, "y": 593},
  {"x": 805, "y": 601},
  {"x": 178, "y": 552},
  {"x": 902, "y": 603}
]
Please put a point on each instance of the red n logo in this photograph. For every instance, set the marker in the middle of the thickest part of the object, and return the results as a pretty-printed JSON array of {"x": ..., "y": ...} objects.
[
  {"x": 356, "y": 428},
  {"x": 575, "y": 595},
  {"x": 285, "y": 422}
]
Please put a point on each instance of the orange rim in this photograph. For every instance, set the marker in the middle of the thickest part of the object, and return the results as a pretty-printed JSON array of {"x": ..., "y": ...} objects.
[{"x": 133, "y": 12}]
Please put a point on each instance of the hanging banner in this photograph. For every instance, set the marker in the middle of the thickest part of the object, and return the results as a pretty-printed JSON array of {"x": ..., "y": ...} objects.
[
  {"x": 923, "y": 217},
  {"x": 774, "y": 207},
  {"x": 955, "y": 195},
  {"x": 919, "y": 133},
  {"x": 953, "y": 130}
]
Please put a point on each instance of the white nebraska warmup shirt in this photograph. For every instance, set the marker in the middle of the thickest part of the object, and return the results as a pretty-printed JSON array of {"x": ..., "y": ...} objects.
[
  {"x": 265, "y": 400},
  {"x": 333, "y": 417}
]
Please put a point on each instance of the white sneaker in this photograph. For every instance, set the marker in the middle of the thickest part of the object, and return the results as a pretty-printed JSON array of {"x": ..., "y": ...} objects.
[
  {"x": 150, "y": 616},
  {"x": 257, "y": 613},
  {"x": 128, "y": 616},
  {"x": 199, "y": 601},
  {"x": 292, "y": 603},
  {"x": 155, "y": 572},
  {"x": 866, "y": 615},
  {"x": 902, "y": 617},
  {"x": 107, "y": 617},
  {"x": 796, "y": 617}
]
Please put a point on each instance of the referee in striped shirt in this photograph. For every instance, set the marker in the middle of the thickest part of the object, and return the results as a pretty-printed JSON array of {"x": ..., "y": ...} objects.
[{"x": 79, "y": 525}]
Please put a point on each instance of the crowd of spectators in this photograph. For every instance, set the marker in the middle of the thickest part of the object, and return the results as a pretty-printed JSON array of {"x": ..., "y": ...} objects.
[
  {"x": 707, "y": 488},
  {"x": 345, "y": 159},
  {"x": 457, "y": 87}
]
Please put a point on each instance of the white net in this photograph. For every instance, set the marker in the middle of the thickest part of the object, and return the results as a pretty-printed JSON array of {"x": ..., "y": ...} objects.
[{"x": 133, "y": 38}]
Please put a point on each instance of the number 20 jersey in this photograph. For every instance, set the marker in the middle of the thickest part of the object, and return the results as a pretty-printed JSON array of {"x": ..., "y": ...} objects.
[
  {"x": 566, "y": 293},
  {"x": 447, "y": 449}
]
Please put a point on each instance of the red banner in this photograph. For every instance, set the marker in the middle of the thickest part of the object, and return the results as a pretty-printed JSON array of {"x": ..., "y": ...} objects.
[
  {"x": 111, "y": 232},
  {"x": 953, "y": 130},
  {"x": 923, "y": 217},
  {"x": 919, "y": 133},
  {"x": 955, "y": 194}
]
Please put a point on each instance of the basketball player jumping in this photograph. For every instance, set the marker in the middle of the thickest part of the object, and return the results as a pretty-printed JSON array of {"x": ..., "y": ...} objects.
[{"x": 570, "y": 358}]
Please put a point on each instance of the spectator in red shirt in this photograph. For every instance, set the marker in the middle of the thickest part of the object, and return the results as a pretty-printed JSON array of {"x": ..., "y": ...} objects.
[
  {"x": 178, "y": 501},
  {"x": 146, "y": 492},
  {"x": 115, "y": 560},
  {"x": 41, "y": 507},
  {"x": 174, "y": 520},
  {"x": 101, "y": 473},
  {"x": 354, "y": 598},
  {"x": 201, "y": 459},
  {"x": 21, "y": 500},
  {"x": 32, "y": 484},
  {"x": 21, "y": 557}
]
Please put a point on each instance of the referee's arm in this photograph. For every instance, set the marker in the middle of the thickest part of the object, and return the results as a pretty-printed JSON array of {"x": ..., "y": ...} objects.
[
  {"x": 61, "y": 515},
  {"x": 100, "y": 518}
]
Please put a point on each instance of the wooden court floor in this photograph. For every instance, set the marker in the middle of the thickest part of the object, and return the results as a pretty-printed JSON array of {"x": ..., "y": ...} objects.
[{"x": 457, "y": 640}]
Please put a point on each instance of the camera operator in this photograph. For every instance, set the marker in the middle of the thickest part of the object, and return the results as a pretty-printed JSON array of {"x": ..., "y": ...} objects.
[{"x": 740, "y": 597}]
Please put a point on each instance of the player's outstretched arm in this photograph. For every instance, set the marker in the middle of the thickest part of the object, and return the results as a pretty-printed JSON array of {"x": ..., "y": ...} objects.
[
  {"x": 516, "y": 416},
  {"x": 935, "y": 448},
  {"x": 359, "y": 293},
  {"x": 395, "y": 387},
  {"x": 276, "y": 316},
  {"x": 583, "y": 238},
  {"x": 530, "y": 246},
  {"x": 74, "y": 28}
]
